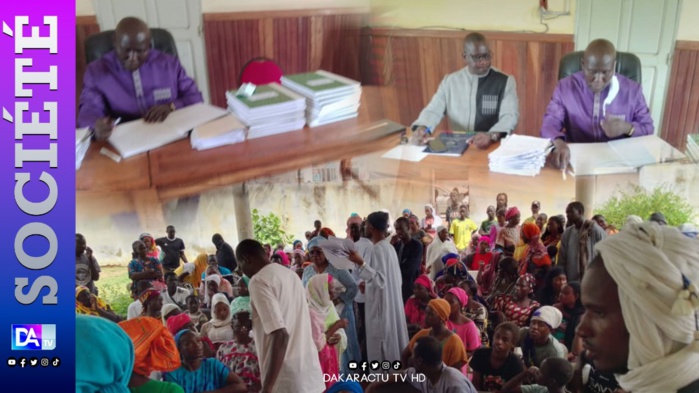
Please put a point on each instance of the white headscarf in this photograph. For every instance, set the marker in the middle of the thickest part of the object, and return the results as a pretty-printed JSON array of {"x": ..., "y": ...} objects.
[
  {"x": 437, "y": 219},
  {"x": 168, "y": 308},
  {"x": 220, "y": 298},
  {"x": 211, "y": 277},
  {"x": 649, "y": 263},
  {"x": 436, "y": 250}
]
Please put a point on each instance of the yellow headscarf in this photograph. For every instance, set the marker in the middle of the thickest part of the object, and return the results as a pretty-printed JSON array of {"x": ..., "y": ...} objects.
[
  {"x": 82, "y": 309},
  {"x": 200, "y": 265}
]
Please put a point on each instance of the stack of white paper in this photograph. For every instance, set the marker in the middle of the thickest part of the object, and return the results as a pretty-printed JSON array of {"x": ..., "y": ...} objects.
[
  {"x": 271, "y": 109},
  {"x": 223, "y": 131},
  {"x": 337, "y": 251},
  {"x": 329, "y": 97},
  {"x": 520, "y": 155},
  {"x": 83, "y": 136},
  {"x": 136, "y": 137}
]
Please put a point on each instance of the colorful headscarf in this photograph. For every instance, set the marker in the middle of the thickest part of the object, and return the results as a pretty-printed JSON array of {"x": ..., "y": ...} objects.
[
  {"x": 319, "y": 300},
  {"x": 82, "y": 309},
  {"x": 354, "y": 219},
  {"x": 154, "y": 346},
  {"x": 326, "y": 232},
  {"x": 460, "y": 294},
  {"x": 178, "y": 322},
  {"x": 300, "y": 253},
  {"x": 407, "y": 211},
  {"x": 449, "y": 256},
  {"x": 531, "y": 231},
  {"x": 284, "y": 257},
  {"x": 345, "y": 386},
  {"x": 529, "y": 279},
  {"x": 485, "y": 239},
  {"x": 153, "y": 250},
  {"x": 511, "y": 212},
  {"x": 297, "y": 241},
  {"x": 201, "y": 263},
  {"x": 167, "y": 309},
  {"x": 179, "y": 335},
  {"x": 441, "y": 307},
  {"x": 105, "y": 356},
  {"x": 425, "y": 281},
  {"x": 313, "y": 243},
  {"x": 456, "y": 268},
  {"x": 147, "y": 295},
  {"x": 241, "y": 304}
]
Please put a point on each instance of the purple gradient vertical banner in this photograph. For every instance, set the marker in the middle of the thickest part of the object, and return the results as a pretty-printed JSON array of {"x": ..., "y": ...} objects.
[{"x": 37, "y": 205}]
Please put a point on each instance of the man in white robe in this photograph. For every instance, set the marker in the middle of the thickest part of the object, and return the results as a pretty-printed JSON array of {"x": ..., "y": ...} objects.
[{"x": 386, "y": 330}]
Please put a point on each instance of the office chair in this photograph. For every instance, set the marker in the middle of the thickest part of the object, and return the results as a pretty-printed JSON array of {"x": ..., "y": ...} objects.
[
  {"x": 260, "y": 71},
  {"x": 627, "y": 64},
  {"x": 99, "y": 44}
]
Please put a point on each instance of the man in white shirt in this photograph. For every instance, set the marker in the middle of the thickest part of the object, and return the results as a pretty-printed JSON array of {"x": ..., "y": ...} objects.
[
  {"x": 363, "y": 246},
  {"x": 281, "y": 324},
  {"x": 136, "y": 308},
  {"x": 174, "y": 294},
  {"x": 386, "y": 330}
]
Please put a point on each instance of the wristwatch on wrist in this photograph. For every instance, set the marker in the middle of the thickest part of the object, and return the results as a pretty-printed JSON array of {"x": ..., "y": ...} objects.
[{"x": 630, "y": 133}]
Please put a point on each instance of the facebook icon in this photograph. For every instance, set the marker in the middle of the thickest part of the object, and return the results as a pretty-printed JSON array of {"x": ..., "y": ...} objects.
[{"x": 33, "y": 337}]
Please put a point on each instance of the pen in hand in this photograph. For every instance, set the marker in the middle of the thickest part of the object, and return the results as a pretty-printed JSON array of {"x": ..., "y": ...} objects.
[{"x": 117, "y": 121}]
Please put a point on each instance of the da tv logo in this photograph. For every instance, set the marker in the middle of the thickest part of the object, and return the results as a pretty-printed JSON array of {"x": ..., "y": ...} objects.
[{"x": 33, "y": 337}]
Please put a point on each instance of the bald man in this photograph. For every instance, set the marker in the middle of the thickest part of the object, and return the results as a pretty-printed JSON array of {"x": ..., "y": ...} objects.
[
  {"x": 595, "y": 105},
  {"x": 132, "y": 82},
  {"x": 475, "y": 98}
]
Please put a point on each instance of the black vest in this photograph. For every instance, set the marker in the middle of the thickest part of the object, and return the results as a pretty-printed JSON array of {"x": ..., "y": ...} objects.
[{"x": 491, "y": 89}]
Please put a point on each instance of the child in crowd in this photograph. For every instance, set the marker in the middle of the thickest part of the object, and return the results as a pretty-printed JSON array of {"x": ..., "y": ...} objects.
[
  {"x": 493, "y": 367},
  {"x": 552, "y": 377},
  {"x": 197, "y": 316}
]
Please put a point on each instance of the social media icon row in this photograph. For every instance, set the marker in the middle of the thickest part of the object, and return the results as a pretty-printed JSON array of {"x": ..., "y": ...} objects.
[
  {"x": 385, "y": 365},
  {"x": 33, "y": 362}
]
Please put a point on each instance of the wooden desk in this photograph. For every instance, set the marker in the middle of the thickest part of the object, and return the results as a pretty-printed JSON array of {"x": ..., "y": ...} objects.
[{"x": 142, "y": 183}]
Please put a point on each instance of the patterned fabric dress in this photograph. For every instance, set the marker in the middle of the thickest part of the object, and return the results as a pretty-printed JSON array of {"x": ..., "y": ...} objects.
[
  {"x": 514, "y": 313},
  {"x": 242, "y": 360}
]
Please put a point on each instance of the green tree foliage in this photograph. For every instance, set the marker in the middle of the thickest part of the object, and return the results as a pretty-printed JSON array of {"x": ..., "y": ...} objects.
[
  {"x": 638, "y": 201},
  {"x": 117, "y": 296},
  {"x": 268, "y": 229}
]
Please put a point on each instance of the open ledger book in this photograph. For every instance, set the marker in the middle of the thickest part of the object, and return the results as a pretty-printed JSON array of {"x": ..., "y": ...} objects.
[{"x": 620, "y": 156}]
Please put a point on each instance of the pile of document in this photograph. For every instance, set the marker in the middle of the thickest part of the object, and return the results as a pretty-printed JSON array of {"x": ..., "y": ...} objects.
[
  {"x": 272, "y": 109},
  {"x": 520, "y": 155},
  {"x": 329, "y": 97},
  {"x": 693, "y": 147},
  {"x": 226, "y": 130},
  {"x": 136, "y": 137},
  {"x": 82, "y": 143}
]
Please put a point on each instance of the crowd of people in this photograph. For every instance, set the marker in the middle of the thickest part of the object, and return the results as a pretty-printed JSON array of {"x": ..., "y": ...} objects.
[{"x": 526, "y": 304}]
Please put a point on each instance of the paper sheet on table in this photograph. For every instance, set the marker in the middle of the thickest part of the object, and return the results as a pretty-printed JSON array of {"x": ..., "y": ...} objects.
[
  {"x": 337, "y": 250},
  {"x": 406, "y": 153},
  {"x": 136, "y": 137}
]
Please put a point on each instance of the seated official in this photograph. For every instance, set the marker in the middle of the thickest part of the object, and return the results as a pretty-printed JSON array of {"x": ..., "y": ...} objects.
[
  {"x": 595, "y": 105},
  {"x": 133, "y": 81},
  {"x": 475, "y": 98}
]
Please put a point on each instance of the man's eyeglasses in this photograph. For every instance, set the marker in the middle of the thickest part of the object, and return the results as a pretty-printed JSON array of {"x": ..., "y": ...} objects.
[{"x": 478, "y": 58}]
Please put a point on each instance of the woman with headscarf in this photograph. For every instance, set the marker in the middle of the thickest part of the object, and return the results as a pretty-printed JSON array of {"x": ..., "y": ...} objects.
[
  {"x": 454, "y": 272},
  {"x": 191, "y": 272},
  {"x": 483, "y": 256},
  {"x": 153, "y": 250},
  {"x": 499, "y": 279},
  {"x": 535, "y": 260},
  {"x": 299, "y": 257},
  {"x": 453, "y": 351},
  {"x": 219, "y": 329},
  {"x": 104, "y": 356},
  {"x": 344, "y": 301},
  {"x": 440, "y": 246},
  {"x": 88, "y": 304},
  {"x": 214, "y": 284},
  {"x": 416, "y": 306},
  {"x": 199, "y": 374},
  {"x": 143, "y": 267},
  {"x": 184, "y": 322},
  {"x": 519, "y": 306},
  {"x": 155, "y": 350},
  {"x": 508, "y": 237},
  {"x": 431, "y": 221},
  {"x": 297, "y": 245},
  {"x": 240, "y": 354},
  {"x": 169, "y": 310},
  {"x": 548, "y": 292},
  {"x": 283, "y": 259},
  {"x": 152, "y": 303},
  {"x": 242, "y": 301},
  {"x": 327, "y": 327},
  {"x": 461, "y": 325}
]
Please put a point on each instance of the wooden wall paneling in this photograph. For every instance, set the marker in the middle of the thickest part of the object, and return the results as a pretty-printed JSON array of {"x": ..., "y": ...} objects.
[
  {"x": 682, "y": 99},
  {"x": 85, "y": 26}
]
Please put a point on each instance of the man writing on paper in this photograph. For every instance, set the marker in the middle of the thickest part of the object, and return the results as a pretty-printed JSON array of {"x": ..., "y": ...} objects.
[
  {"x": 595, "y": 105},
  {"x": 133, "y": 81},
  {"x": 475, "y": 98}
]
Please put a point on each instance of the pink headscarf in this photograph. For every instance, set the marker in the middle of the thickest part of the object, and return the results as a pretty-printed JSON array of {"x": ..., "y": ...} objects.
[
  {"x": 285, "y": 258},
  {"x": 511, "y": 212},
  {"x": 460, "y": 294},
  {"x": 425, "y": 281}
]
